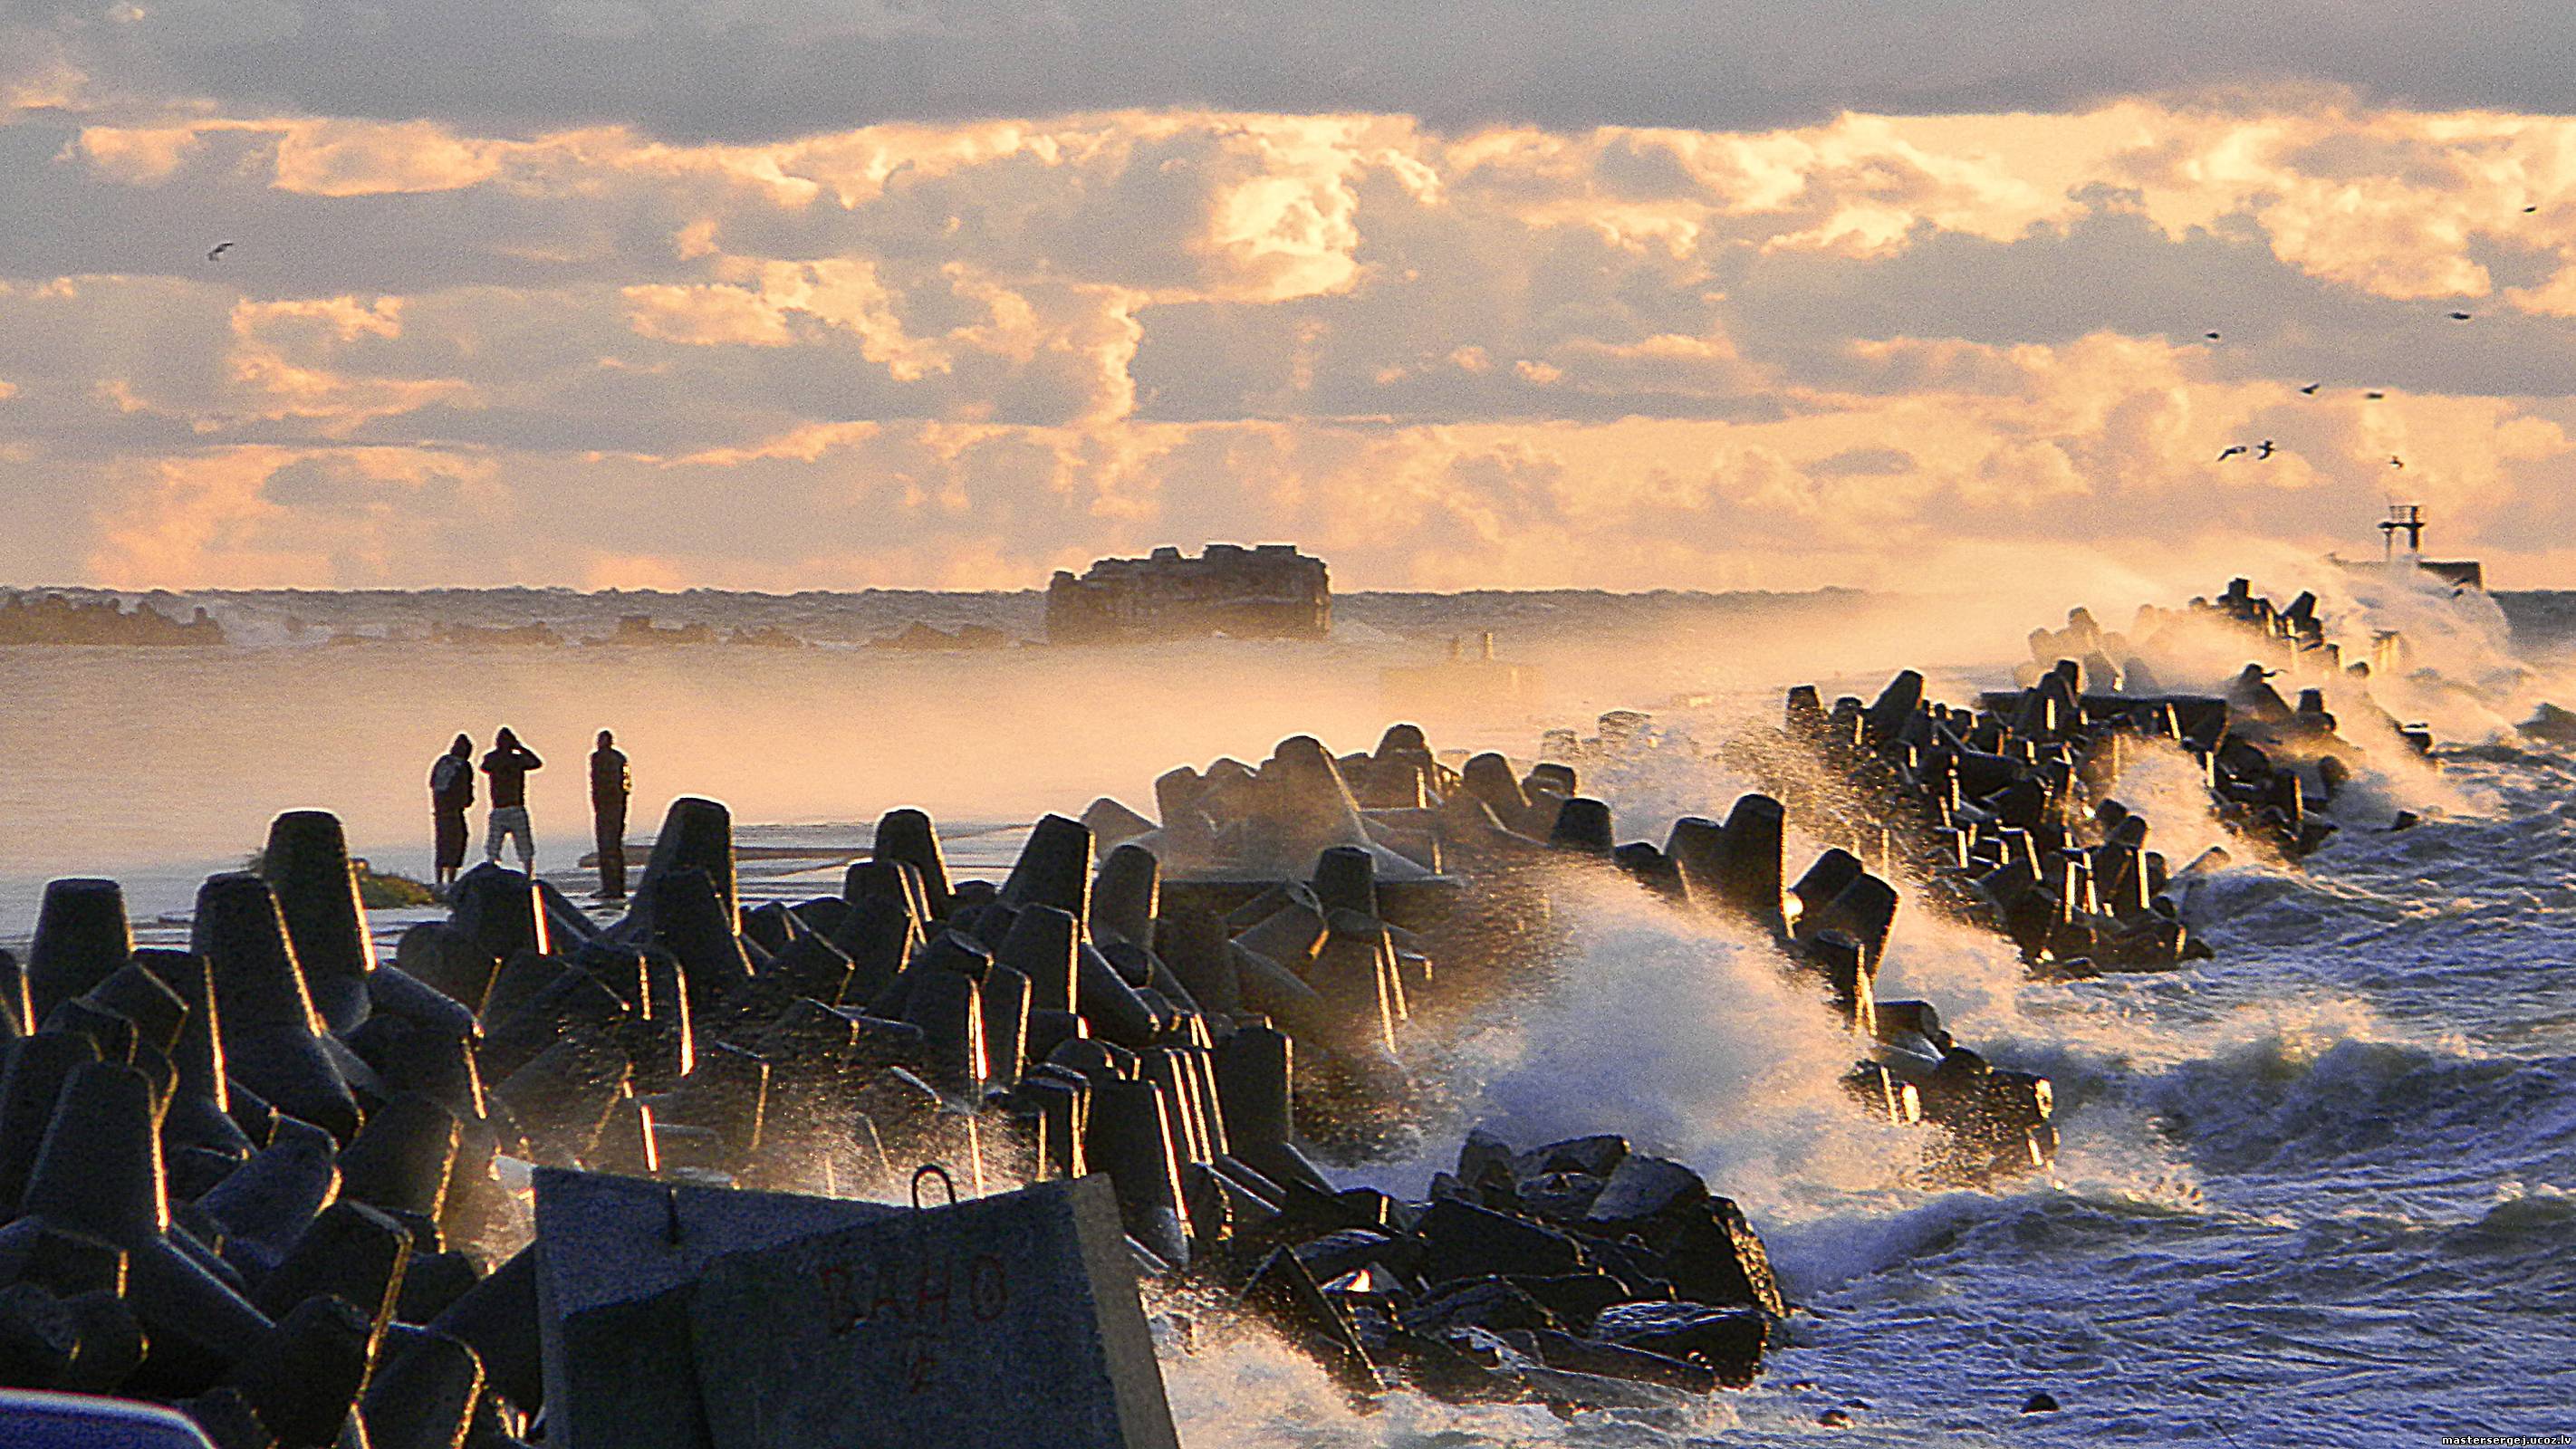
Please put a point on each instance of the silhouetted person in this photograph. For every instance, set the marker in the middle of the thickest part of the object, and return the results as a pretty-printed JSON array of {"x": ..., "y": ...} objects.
[
  {"x": 610, "y": 784},
  {"x": 508, "y": 764},
  {"x": 451, "y": 793}
]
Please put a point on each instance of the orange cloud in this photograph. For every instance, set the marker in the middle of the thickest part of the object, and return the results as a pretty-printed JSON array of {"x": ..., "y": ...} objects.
[{"x": 1507, "y": 355}]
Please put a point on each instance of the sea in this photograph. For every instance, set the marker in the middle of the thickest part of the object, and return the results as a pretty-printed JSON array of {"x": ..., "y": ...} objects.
[{"x": 2320, "y": 1189}]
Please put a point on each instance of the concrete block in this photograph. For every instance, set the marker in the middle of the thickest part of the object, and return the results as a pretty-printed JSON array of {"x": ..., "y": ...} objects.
[
  {"x": 1005, "y": 1321},
  {"x": 614, "y": 1260}
]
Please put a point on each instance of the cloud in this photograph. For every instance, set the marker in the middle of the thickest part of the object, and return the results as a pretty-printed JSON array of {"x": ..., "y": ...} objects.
[
  {"x": 724, "y": 69},
  {"x": 919, "y": 352},
  {"x": 278, "y": 516}
]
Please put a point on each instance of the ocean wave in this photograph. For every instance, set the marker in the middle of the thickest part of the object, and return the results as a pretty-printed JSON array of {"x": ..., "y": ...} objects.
[{"x": 2377, "y": 1112}]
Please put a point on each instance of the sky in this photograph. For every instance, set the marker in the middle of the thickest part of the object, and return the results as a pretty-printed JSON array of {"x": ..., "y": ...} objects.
[{"x": 1504, "y": 293}]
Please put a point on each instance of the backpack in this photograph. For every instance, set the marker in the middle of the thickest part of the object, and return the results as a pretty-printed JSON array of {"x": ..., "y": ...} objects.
[{"x": 449, "y": 776}]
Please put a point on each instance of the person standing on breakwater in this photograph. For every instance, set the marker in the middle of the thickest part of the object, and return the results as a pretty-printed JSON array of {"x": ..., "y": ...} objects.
[
  {"x": 610, "y": 784},
  {"x": 451, "y": 793},
  {"x": 508, "y": 764}
]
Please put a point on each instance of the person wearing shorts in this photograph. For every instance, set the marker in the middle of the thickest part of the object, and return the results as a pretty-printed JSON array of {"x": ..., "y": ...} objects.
[{"x": 508, "y": 763}]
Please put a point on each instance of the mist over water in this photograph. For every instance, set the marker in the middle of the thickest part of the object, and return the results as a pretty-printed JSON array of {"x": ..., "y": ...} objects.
[
  {"x": 2317, "y": 1190},
  {"x": 121, "y": 758},
  {"x": 161, "y": 764}
]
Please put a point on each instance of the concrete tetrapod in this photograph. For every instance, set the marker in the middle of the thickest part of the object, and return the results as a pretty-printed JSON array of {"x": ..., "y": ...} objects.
[
  {"x": 273, "y": 1040},
  {"x": 81, "y": 938},
  {"x": 1126, "y": 895},
  {"x": 99, "y": 1174},
  {"x": 908, "y": 836},
  {"x": 306, "y": 863},
  {"x": 1130, "y": 1140},
  {"x": 1054, "y": 869},
  {"x": 696, "y": 835}
]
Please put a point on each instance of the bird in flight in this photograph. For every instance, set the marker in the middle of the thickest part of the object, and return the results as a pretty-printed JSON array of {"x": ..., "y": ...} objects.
[
  {"x": 2212, "y": 336},
  {"x": 2267, "y": 450},
  {"x": 2231, "y": 451},
  {"x": 2528, "y": 210},
  {"x": 2396, "y": 462},
  {"x": 2459, "y": 316},
  {"x": 2374, "y": 396},
  {"x": 2310, "y": 390},
  {"x": 219, "y": 249}
]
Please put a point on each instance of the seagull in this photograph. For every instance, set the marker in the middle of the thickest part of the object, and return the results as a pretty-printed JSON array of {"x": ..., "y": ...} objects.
[
  {"x": 2267, "y": 450},
  {"x": 2459, "y": 316},
  {"x": 219, "y": 250},
  {"x": 2396, "y": 462},
  {"x": 2528, "y": 210},
  {"x": 2231, "y": 451},
  {"x": 2374, "y": 396},
  {"x": 2212, "y": 336},
  {"x": 2310, "y": 390}
]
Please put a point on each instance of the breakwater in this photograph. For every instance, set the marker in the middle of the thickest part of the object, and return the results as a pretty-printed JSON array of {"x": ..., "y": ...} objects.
[{"x": 832, "y": 1044}]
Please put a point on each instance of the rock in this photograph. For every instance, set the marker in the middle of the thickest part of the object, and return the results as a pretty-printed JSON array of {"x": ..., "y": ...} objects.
[
  {"x": 1715, "y": 1257},
  {"x": 1348, "y": 1249},
  {"x": 1559, "y": 1196},
  {"x": 1607, "y": 1360},
  {"x": 1284, "y": 1291},
  {"x": 2551, "y": 723},
  {"x": 1490, "y": 1303},
  {"x": 1482, "y": 1156},
  {"x": 1577, "y": 1298},
  {"x": 1597, "y": 1156},
  {"x": 1643, "y": 1187},
  {"x": 1728, "y": 1340},
  {"x": 1464, "y": 1241}
]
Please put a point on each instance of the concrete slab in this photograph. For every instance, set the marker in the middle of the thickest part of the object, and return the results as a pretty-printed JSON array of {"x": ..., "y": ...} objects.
[
  {"x": 1006, "y": 1321},
  {"x": 615, "y": 1260}
]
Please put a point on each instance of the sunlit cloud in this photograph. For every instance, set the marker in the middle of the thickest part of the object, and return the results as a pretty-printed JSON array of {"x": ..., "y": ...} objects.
[{"x": 967, "y": 353}]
